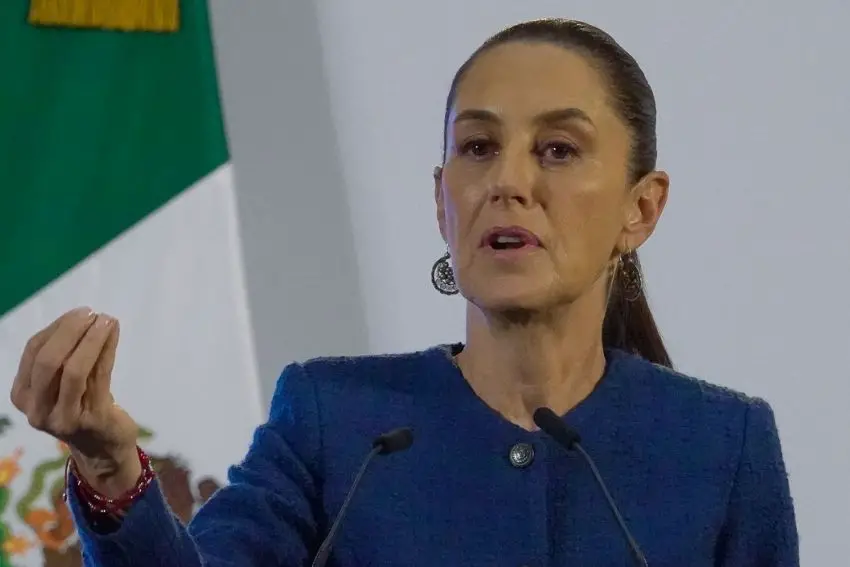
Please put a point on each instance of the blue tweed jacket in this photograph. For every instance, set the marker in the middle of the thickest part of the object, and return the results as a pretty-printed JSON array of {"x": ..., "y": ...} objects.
[{"x": 697, "y": 471}]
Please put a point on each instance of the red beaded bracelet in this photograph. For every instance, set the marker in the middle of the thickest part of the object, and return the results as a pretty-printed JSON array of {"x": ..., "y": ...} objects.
[{"x": 100, "y": 505}]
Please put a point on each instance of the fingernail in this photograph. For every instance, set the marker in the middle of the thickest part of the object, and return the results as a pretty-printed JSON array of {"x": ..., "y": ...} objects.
[
  {"x": 103, "y": 321},
  {"x": 83, "y": 311}
]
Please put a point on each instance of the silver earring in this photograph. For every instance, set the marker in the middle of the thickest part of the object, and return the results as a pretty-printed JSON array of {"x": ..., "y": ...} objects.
[
  {"x": 443, "y": 276},
  {"x": 631, "y": 281}
]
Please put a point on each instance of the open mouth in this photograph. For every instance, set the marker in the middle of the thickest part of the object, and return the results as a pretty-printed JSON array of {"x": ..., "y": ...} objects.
[{"x": 510, "y": 238}]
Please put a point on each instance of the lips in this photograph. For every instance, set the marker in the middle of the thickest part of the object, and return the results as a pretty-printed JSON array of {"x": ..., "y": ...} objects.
[{"x": 509, "y": 238}]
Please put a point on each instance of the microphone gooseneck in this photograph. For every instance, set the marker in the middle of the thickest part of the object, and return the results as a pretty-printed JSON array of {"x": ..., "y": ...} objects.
[
  {"x": 569, "y": 439},
  {"x": 390, "y": 442}
]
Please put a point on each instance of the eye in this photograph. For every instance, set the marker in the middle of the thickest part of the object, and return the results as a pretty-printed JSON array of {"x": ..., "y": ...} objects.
[
  {"x": 478, "y": 148},
  {"x": 557, "y": 151}
]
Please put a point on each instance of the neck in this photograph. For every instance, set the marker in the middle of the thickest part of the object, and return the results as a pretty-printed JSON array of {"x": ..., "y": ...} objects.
[{"x": 518, "y": 364}]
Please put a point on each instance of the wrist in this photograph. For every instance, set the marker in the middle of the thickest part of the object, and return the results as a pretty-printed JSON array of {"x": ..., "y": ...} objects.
[
  {"x": 106, "y": 506},
  {"x": 113, "y": 477}
]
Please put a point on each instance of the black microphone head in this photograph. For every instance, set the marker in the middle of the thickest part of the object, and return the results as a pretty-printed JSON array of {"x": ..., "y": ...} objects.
[
  {"x": 554, "y": 426},
  {"x": 395, "y": 440}
]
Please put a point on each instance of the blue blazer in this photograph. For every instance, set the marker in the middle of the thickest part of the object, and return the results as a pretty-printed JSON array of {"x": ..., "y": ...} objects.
[{"x": 696, "y": 469}]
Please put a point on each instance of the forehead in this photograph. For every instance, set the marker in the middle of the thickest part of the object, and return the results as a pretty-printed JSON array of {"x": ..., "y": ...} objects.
[{"x": 518, "y": 79}]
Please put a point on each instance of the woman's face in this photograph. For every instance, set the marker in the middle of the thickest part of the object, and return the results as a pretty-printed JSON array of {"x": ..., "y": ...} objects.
[{"x": 534, "y": 198}]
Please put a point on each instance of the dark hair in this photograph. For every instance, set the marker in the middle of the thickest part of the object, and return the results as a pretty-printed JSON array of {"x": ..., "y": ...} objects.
[{"x": 629, "y": 324}]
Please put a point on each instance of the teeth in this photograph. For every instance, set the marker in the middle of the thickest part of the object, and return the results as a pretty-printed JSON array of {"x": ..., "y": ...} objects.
[{"x": 508, "y": 240}]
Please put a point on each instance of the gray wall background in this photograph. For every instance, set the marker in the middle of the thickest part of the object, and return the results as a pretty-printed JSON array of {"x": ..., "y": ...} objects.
[
  {"x": 334, "y": 113},
  {"x": 301, "y": 270}
]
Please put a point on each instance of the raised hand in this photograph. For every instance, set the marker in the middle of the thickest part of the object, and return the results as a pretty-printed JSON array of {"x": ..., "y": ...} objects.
[{"x": 63, "y": 387}]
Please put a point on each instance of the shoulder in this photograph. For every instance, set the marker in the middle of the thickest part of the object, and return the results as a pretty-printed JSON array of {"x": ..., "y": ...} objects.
[
  {"x": 661, "y": 384},
  {"x": 395, "y": 371},
  {"x": 717, "y": 447},
  {"x": 344, "y": 378},
  {"x": 375, "y": 363},
  {"x": 695, "y": 409},
  {"x": 318, "y": 395}
]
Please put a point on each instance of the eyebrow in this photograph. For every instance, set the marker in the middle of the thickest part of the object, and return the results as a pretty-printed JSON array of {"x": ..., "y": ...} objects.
[{"x": 556, "y": 115}]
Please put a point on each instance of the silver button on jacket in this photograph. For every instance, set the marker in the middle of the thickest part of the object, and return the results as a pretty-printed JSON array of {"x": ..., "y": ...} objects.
[{"x": 521, "y": 455}]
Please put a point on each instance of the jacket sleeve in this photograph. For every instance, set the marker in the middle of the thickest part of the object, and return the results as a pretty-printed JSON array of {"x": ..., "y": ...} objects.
[
  {"x": 760, "y": 528},
  {"x": 265, "y": 516}
]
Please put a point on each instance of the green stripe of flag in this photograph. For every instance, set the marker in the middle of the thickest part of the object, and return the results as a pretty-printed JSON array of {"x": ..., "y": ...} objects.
[{"x": 97, "y": 130}]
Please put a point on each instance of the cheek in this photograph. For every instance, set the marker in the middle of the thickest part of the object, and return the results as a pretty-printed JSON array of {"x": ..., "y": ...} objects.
[
  {"x": 587, "y": 227},
  {"x": 460, "y": 207}
]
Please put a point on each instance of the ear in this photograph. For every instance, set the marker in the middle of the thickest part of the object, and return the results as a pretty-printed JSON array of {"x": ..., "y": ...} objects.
[
  {"x": 438, "y": 199},
  {"x": 643, "y": 209}
]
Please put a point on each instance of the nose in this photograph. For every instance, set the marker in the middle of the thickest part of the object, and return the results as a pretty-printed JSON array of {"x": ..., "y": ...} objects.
[{"x": 513, "y": 178}]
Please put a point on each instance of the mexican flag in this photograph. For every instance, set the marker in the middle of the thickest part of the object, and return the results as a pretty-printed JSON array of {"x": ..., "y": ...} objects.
[{"x": 118, "y": 194}]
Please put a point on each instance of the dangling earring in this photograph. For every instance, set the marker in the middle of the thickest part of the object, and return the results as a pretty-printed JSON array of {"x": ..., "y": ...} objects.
[
  {"x": 631, "y": 282},
  {"x": 443, "y": 277}
]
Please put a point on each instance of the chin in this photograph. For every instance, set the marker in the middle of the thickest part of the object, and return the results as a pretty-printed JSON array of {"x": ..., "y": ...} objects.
[{"x": 508, "y": 298}]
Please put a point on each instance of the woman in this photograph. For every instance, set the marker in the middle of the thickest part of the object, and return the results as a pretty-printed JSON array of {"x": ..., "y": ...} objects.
[{"x": 548, "y": 186}]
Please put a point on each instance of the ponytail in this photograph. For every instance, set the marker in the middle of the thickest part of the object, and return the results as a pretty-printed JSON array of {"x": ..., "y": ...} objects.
[{"x": 629, "y": 324}]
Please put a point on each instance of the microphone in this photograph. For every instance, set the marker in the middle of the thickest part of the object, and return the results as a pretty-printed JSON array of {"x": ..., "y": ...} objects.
[
  {"x": 390, "y": 442},
  {"x": 570, "y": 440}
]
